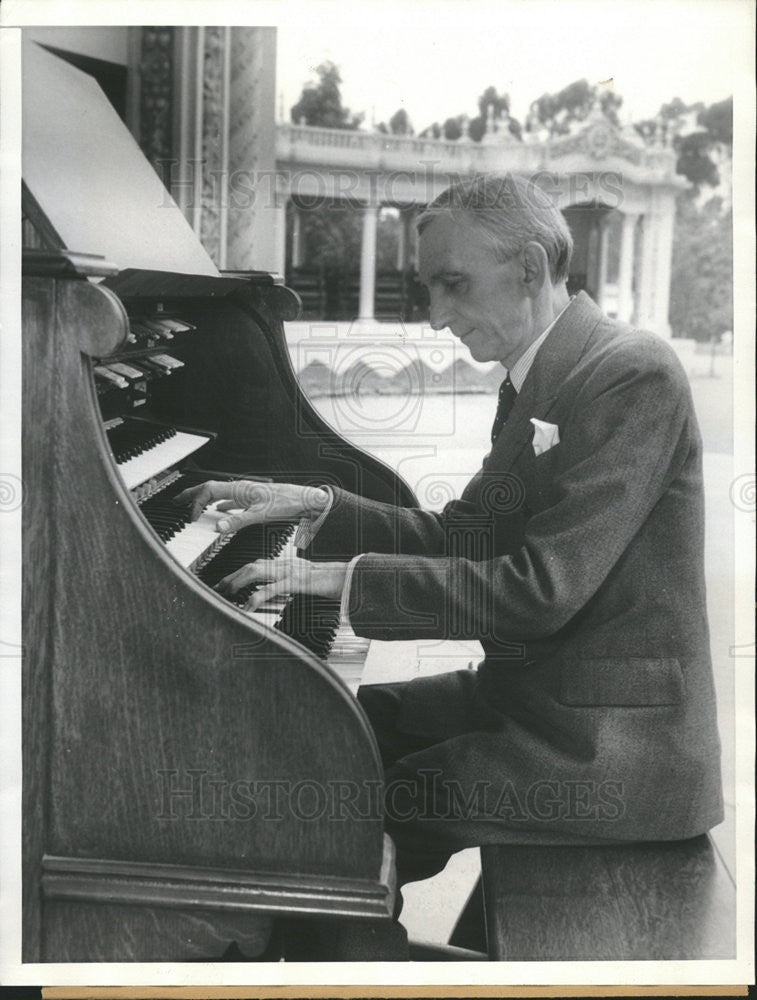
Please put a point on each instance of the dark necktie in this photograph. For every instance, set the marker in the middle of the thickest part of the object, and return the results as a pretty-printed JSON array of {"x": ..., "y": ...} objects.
[{"x": 507, "y": 396}]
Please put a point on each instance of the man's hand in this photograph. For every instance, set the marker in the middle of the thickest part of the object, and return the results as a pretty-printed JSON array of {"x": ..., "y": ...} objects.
[
  {"x": 286, "y": 576},
  {"x": 258, "y": 502}
]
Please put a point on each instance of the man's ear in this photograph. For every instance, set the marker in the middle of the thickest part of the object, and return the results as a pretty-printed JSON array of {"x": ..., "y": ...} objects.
[{"x": 535, "y": 267}]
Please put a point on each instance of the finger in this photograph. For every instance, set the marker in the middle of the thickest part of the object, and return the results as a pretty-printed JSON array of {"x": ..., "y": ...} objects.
[
  {"x": 189, "y": 495},
  {"x": 260, "y": 571},
  {"x": 233, "y": 582},
  {"x": 198, "y": 497},
  {"x": 267, "y": 593},
  {"x": 241, "y": 520},
  {"x": 227, "y": 505},
  {"x": 267, "y": 570}
]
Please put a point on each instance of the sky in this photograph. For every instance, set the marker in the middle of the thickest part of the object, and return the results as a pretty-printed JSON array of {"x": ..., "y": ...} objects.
[{"x": 435, "y": 58}]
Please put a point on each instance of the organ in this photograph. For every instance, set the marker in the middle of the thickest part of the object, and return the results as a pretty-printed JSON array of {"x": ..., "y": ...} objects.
[{"x": 191, "y": 772}]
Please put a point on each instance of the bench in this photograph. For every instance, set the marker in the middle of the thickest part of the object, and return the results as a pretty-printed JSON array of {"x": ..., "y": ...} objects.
[{"x": 646, "y": 901}]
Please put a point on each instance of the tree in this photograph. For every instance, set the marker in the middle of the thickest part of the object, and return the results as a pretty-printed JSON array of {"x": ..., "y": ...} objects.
[
  {"x": 500, "y": 107},
  {"x": 694, "y": 161},
  {"x": 321, "y": 103},
  {"x": 702, "y": 137},
  {"x": 717, "y": 120},
  {"x": 557, "y": 112},
  {"x": 453, "y": 128},
  {"x": 610, "y": 103},
  {"x": 701, "y": 283},
  {"x": 332, "y": 235},
  {"x": 399, "y": 124}
]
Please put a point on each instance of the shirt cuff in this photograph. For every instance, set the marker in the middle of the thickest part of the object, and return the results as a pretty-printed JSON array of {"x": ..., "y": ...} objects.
[
  {"x": 344, "y": 609},
  {"x": 307, "y": 529}
]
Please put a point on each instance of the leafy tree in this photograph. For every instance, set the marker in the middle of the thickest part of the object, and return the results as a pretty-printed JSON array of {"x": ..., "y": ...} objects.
[
  {"x": 453, "y": 128},
  {"x": 500, "y": 106},
  {"x": 399, "y": 124},
  {"x": 699, "y": 149},
  {"x": 701, "y": 284},
  {"x": 556, "y": 112},
  {"x": 610, "y": 103},
  {"x": 321, "y": 103},
  {"x": 694, "y": 161},
  {"x": 332, "y": 235},
  {"x": 717, "y": 120}
]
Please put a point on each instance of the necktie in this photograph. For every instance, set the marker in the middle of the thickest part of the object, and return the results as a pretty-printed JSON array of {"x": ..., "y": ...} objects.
[{"x": 507, "y": 396}]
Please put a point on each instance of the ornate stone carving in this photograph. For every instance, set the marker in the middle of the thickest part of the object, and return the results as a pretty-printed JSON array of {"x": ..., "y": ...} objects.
[
  {"x": 600, "y": 140},
  {"x": 156, "y": 95},
  {"x": 213, "y": 179},
  {"x": 244, "y": 144}
]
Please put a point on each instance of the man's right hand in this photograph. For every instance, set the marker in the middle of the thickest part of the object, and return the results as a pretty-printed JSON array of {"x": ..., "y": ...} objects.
[{"x": 256, "y": 502}]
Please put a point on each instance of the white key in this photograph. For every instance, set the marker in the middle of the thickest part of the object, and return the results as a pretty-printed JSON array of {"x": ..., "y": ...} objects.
[
  {"x": 165, "y": 454},
  {"x": 198, "y": 538}
]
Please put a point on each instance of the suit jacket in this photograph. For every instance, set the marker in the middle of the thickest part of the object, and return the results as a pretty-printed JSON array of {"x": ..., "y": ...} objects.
[{"x": 581, "y": 573}]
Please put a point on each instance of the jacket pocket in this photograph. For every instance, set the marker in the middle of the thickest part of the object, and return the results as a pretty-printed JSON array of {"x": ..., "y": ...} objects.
[{"x": 622, "y": 682}]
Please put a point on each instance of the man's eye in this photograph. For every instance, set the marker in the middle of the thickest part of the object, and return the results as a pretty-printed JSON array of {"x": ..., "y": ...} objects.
[{"x": 453, "y": 285}]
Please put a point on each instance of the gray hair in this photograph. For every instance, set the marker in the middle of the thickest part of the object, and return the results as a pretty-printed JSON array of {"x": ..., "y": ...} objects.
[{"x": 512, "y": 211}]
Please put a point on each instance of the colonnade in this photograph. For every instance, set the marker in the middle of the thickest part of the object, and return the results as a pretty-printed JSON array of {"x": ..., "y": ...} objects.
[{"x": 628, "y": 259}]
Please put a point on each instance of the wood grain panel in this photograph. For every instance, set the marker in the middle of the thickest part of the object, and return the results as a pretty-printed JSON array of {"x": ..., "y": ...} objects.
[
  {"x": 112, "y": 933},
  {"x": 39, "y": 403}
]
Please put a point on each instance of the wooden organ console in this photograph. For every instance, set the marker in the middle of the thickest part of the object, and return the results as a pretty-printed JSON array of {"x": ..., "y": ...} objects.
[{"x": 191, "y": 772}]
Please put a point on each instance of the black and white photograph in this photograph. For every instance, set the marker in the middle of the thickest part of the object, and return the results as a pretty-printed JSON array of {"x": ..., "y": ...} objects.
[{"x": 377, "y": 493}]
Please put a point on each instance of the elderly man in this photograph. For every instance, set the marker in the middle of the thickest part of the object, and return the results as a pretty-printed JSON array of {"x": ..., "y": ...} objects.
[{"x": 575, "y": 555}]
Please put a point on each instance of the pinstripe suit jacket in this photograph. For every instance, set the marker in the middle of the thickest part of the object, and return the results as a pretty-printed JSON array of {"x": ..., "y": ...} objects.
[{"x": 581, "y": 573}]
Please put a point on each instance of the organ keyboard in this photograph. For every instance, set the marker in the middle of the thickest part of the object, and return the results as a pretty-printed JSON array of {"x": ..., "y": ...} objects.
[
  {"x": 143, "y": 449},
  {"x": 198, "y": 547}
]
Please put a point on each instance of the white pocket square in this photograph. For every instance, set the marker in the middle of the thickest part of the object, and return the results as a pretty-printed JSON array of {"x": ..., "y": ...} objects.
[{"x": 546, "y": 436}]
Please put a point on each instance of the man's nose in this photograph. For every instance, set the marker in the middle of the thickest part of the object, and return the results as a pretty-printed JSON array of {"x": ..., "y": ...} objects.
[{"x": 438, "y": 312}]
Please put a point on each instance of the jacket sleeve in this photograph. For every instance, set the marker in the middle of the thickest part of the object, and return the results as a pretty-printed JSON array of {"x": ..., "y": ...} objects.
[
  {"x": 630, "y": 433},
  {"x": 355, "y": 525}
]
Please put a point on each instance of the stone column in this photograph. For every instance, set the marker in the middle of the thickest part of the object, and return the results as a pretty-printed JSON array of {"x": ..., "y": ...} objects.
[
  {"x": 213, "y": 127},
  {"x": 665, "y": 224},
  {"x": 645, "y": 290},
  {"x": 368, "y": 262},
  {"x": 413, "y": 238},
  {"x": 647, "y": 302},
  {"x": 625, "y": 276},
  {"x": 297, "y": 237},
  {"x": 602, "y": 261},
  {"x": 655, "y": 258},
  {"x": 278, "y": 263},
  {"x": 255, "y": 188},
  {"x": 402, "y": 242}
]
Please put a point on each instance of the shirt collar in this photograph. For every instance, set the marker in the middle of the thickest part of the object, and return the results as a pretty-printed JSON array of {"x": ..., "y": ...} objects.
[{"x": 522, "y": 366}]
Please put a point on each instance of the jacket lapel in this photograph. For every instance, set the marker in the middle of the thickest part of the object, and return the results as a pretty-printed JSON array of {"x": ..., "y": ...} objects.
[{"x": 556, "y": 358}]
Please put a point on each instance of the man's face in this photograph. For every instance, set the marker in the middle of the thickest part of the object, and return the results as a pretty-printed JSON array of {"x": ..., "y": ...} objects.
[{"x": 482, "y": 301}]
